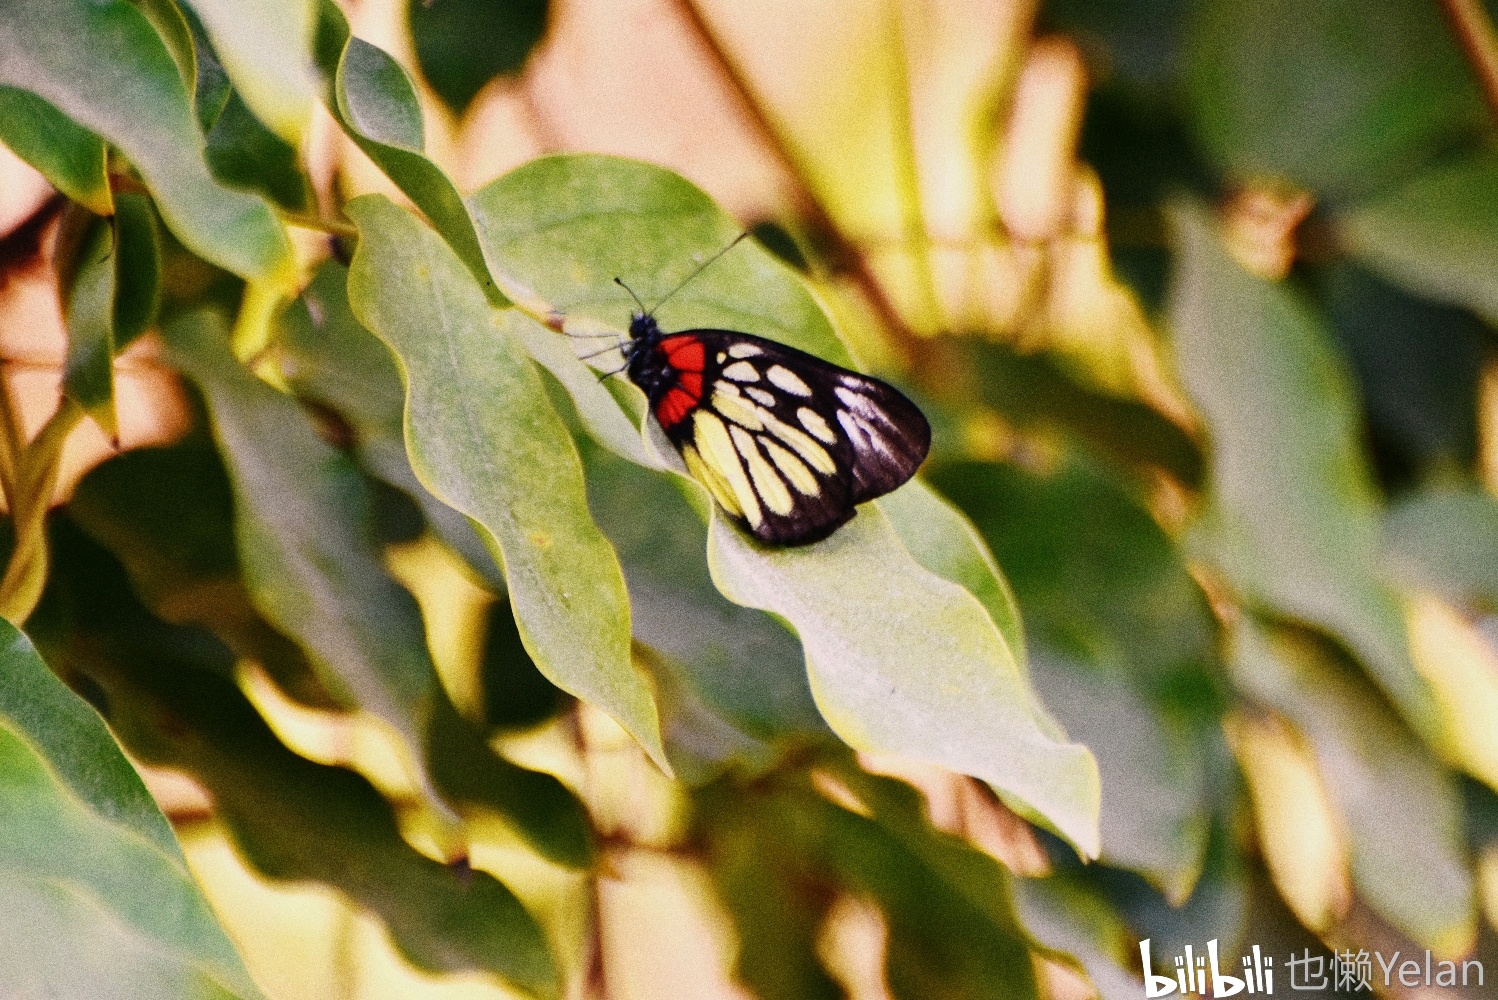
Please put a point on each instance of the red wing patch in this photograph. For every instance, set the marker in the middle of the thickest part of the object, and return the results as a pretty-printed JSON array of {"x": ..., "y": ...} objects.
[
  {"x": 685, "y": 354},
  {"x": 675, "y": 405}
]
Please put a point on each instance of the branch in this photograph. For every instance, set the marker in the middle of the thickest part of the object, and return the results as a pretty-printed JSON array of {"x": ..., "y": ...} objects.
[
  {"x": 1474, "y": 32},
  {"x": 843, "y": 254}
]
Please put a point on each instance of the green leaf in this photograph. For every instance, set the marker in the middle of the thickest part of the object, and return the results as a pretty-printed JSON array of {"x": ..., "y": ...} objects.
[
  {"x": 374, "y": 101},
  {"x": 1122, "y": 643},
  {"x": 1325, "y": 95},
  {"x": 952, "y": 930},
  {"x": 457, "y": 67},
  {"x": 173, "y": 702},
  {"x": 329, "y": 359},
  {"x": 558, "y": 230},
  {"x": 1063, "y": 912},
  {"x": 1435, "y": 235},
  {"x": 88, "y": 378},
  {"x": 311, "y": 568},
  {"x": 177, "y": 33},
  {"x": 168, "y": 515},
  {"x": 1419, "y": 370},
  {"x": 1397, "y": 803},
  {"x": 71, "y": 157},
  {"x": 245, "y": 154},
  {"x": 95, "y": 896},
  {"x": 906, "y": 662},
  {"x": 1038, "y": 395},
  {"x": 137, "y": 268},
  {"x": 266, "y": 47},
  {"x": 485, "y": 439},
  {"x": 732, "y": 664},
  {"x": 104, "y": 66},
  {"x": 1292, "y": 519},
  {"x": 1447, "y": 541}
]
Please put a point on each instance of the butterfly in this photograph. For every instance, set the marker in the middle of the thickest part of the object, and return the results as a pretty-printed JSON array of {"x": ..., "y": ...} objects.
[{"x": 786, "y": 443}]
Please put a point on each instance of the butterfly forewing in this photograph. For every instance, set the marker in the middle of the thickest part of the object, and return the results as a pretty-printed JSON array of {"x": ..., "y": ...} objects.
[{"x": 786, "y": 442}]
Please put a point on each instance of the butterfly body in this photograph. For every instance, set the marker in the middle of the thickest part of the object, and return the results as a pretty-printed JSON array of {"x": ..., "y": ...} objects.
[{"x": 785, "y": 442}]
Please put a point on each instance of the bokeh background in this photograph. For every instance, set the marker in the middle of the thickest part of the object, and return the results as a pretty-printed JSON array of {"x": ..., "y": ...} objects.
[{"x": 1201, "y": 298}]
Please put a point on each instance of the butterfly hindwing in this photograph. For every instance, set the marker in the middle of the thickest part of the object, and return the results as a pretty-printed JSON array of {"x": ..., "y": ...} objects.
[{"x": 786, "y": 442}]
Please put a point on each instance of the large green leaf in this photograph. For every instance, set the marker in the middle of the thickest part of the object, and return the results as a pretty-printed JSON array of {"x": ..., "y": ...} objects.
[
  {"x": 71, "y": 157},
  {"x": 1435, "y": 235},
  {"x": 900, "y": 657},
  {"x": 95, "y": 896},
  {"x": 1446, "y": 540},
  {"x": 332, "y": 361},
  {"x": 484, "y": 438},
  {"x": 1402, "y": 810},
  {"x": 1326, "y": 95},
  {"x": 444, "y": 34},
  {"x": 266, "y": 47},
  {"x": 106, "y": 68},
  {"x": 306, "y": 552},
  {"x": 88, "y": 377},
  {"x": 1292, "y": 520},
  {"x": 1123, "y": 642},
  {"x": 173, "y": 703}
]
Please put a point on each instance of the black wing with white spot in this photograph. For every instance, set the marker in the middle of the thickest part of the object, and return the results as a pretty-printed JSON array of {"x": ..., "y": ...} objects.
[{"x": 788, "y": 443}]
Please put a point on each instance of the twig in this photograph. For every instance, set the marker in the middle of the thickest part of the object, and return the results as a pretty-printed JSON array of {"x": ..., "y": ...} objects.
[
  {"x": 1474, "y": 32},
  {"x": 36, "y": 471},
  {"x": 844, "y": 255}
]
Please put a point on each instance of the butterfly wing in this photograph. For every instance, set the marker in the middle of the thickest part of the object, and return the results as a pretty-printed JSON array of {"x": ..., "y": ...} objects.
[{"x": 786, "y": 442}]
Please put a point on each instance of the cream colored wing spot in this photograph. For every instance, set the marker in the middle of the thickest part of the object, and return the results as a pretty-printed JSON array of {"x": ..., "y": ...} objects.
[
  {"x": 788, "y": 380},
  {"x": 719, "y": 455},
  {"x": 760, "y": 396},
  {"x": 770, "y": 486},
  {"x": 722, "y": 357},
  {"x": 792, "y": 468},
  {"x": 864, "y": 435},
  {"x": 812, "y": 421},
  {"x": 715, "y": 483},
  {"x": 738, "y": 409},
  {"x": 741, "y": 371},
  {"x": 744, "y": 351},
  {"x": 812, "y": 453}
]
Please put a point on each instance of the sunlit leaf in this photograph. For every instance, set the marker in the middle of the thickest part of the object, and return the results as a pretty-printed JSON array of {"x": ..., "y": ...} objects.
[
  {"x": 330, "y": 360},
  {"x": 68, "y": 155},
  {"x": 97, "y": 898},
  {"x": 485, "y": 439},
  {"x": 1292, "y": 519},
  {"x": 455, "y": 67},
  {"x": 105, "y": 67},
  {"x": 1435, "y": 235},
  {"x": 889, "y": 642},
  {"x": 266, "y": 47},
  {"x": 1397, "y": 803}
]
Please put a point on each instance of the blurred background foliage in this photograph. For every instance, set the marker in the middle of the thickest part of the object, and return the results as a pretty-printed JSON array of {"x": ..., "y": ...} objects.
[{"x": 1200, "y": 296}]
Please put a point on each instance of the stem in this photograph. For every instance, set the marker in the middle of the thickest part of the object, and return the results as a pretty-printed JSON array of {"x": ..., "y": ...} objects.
[
  {"x": 843, "y": 252},
  {"x": 1474, "y": 32},
  {"x": 333, "y": 227},
  {"x": 35, "y": 480},
  {"x": 907, "y": 168}
]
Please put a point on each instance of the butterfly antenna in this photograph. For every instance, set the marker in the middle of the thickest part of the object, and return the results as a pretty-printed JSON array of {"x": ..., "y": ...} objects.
[
  {"x": 631, "y": 291},
  {"x": 698, "y": 270}
]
